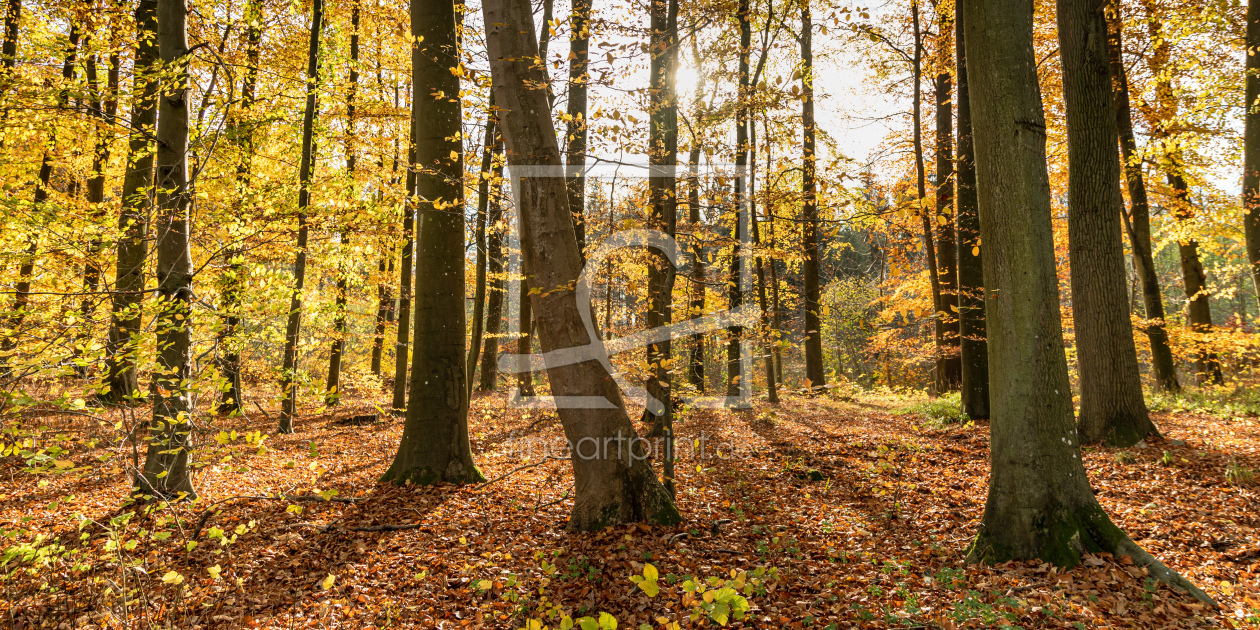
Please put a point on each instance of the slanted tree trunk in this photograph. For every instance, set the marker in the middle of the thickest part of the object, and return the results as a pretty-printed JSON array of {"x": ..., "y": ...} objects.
[
  {"x": 166, "y": 471},
  {"x": 234, "y": 279},
  {"x": 292, "y": 335},
  {"x": 1251, "y": 144},
  {"x": 1112, "y": 408},
  {"x": 494, "y": 255},
  {"x": 575, "y": 154},
  {"x": 435, "y": 447},
  {"x": 483, "y": 206},
  {"x": 1138, "y": 220},
  {"x": 1040, "y": 504},
  {"x": 929, "y": 247},
  {"x": 973, "y": 345},
  {"x": 613, "y": 485},
  {"x": 332, "y": 385},
  {"x": 950, "y": 371},
  {"x": 814, "y": 372},
  {"x": 734, "y": 280},
  {"x": 663, "y": 202},
  {"x": 133, "y": 220},
  {"x": 401, "y": 354}
]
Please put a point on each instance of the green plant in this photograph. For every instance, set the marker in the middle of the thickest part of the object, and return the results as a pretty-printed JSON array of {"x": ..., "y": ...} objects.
[
  {"x": 1238, "y": 474},
  {"x": 1125, "y": 457},
  {"x": 940, "y": 411}
]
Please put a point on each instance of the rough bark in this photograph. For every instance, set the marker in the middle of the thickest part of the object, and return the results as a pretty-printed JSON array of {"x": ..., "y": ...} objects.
[
  {"x": 1138, "y": 220},
  {"x": 1112, "y": 409},
  {"x": 814, "y": 372},
  {"x": 332, "y": 385},
  {"x": 1251, "y": 144},
  {"x": 973, "y": 345},
  {"x": 613, "y": 485},
  {"x": 575, "y": 154},
  {"x": 494, "y": 303},
  {"x": 1040, "y": 504},
  {"x": 949, "y": 374},
  {"x": 292, "y": 335},
  {"x": 166, "y": 471},
  {"x": 483, "y": 206}
]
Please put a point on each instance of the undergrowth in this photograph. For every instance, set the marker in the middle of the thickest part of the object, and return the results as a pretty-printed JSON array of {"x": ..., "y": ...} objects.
[{"x": 940, "y": 411}]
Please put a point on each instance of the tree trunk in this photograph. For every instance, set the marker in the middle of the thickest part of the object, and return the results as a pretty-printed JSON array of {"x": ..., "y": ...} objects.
[
  {"x": 612, "y": 485},
  {"x": 234, "y": 281},
  {"x": 8, "y": 53},
  {"x": 525, "y": 317},
  {"x": 1040, "y": 504},
  {"x": 288, "y": 383},
  {"x": 399, "y": 405},
  {"x": 734, "y": 280},
  {"x": 166, "y": 471},
  {"x": 695, "y": 306},
  {"x": 1138, "y": 221},
  {"x": 929, "y": 248},
  {"x": 384, "y": 306},
  {"x": 133, "y": 219},
  {"x": 494, "y": 254},
  {"x": 579, "y": 78},
  {"x": 332, "y": 386},
  {"x": 1251, "y": 144},
  {"x": 772, "y": 390},
  {"x": 483, "y": 206},
  {"x": 663, "y": 216},
  {"x": 950, "y": 371},
  {"x": 814, "y": 373},
  {"x": 1112, "y": 408},
  {"x": 973, "y": 346}
]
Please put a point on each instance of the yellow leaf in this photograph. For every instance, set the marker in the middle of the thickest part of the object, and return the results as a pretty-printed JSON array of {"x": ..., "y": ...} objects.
[
  {"x": 173, "y": 578},
  {"x": 975, "y": 251},
  {"x": 328, "y": 581},
  {"x": 214, "y": 571}
]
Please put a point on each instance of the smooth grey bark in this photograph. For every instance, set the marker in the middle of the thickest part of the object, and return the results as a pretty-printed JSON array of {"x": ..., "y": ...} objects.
[
  {"x": 949, "y": 374},
  {"x": 122, "y": 346},
  {"x": 1112, "y": 409},
  {"x": 435, "y": 447},
  {"x": 483, "y": 206},
  {"x": 814, "y": 371},
  {"x": 973, "y": 344},
  {"x": 292, "y": 335},
  {"x": 1040, "y": 504},
  {"x": 1138, "y": 220},
  {"x": 494, "y": 268},
  {"x": 332, "y": 385},
  {"x": 166, "y": 471},
  {"x": 612, "y": 486}
]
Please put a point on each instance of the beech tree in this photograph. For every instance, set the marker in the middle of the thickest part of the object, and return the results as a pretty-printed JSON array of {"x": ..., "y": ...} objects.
[{"x": 973, "y": 347}]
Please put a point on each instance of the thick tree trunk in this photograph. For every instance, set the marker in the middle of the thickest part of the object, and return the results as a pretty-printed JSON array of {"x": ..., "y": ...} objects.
[
  {"x": 1138, "y": 221},
  {"x": 734, "y": 280},
  {"x": 929, "y": 247},
  {"x": 435, "y": 447},
  {"x": 814, "y": 372},
  {"x": 1251, "y": 144},
  {"x": 1112, "y": 408},
  {"x": 292, "y": 335},
  {"x": 973, "y": 346},
  {"x": 575, "y": 154},
  {"x": 133, "y": 219},
  {"x": 949, "y": 375},
  {"x": 483, "y": 206},
  {"x": 613, "y": 485},
  {"x": 332, "y": 385},
  {"x": 166, "y": 471},
  {"x": 663, "y": 215},
  {"x": 1040, "y": 504},
  {"x": 494, "y": 254}
]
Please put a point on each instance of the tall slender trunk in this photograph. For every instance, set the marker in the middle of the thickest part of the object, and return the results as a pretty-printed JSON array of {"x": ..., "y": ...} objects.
[
  {"x": 773, "y": 316},
  {"x": 810, "y": 268},
  {"x": 1193, "y": 277},
  {"x": 483, "y": 205},
  {"x": 929, "y": 247},
  {"x": 401, "y": 354},
  {"x": 494, "y": 269},
  {"x": 949, "y": 375},
  {"x": 525, "y": 317},
  {"x": 1112, "y": 408},
  {"x": 1251, "y": 144},
  {"x": 292, "y": 335},
  {"x": 735, "y": 289},
  {"x": 166, "y": 471},
  {"x": 385, "y": 304},
  {"x": 435, "y": 447},
  {"x": 1040, "y": 504},
  {"x": 579, "y": 78},
  {"x": 233, "y": 281},
  {"x": 8, "y": 51},
  {"x": 973, "y": 344},
  {"x": 332, "y": 386},
  {"x": 695, "y": 306},
  {"x": 612, "y": 485}
]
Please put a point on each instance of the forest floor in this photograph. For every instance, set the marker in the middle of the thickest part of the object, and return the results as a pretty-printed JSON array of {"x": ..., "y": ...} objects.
[{"x": 857, "y": 511}]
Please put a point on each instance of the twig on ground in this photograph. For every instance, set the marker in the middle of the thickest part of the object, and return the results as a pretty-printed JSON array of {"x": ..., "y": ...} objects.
[{"x": 520, "y": 468}]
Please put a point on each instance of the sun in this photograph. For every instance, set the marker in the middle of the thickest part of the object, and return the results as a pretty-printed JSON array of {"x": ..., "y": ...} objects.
[{"x": 687, "y": 80}]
